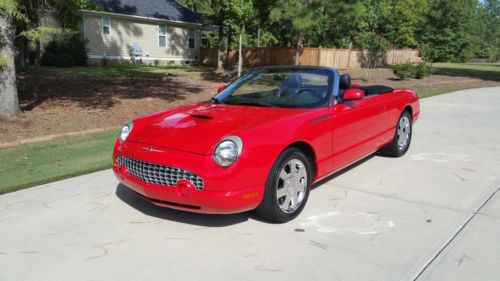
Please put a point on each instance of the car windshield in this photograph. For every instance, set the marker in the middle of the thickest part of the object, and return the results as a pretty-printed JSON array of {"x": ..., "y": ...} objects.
[{"x": 288, "y": 88}]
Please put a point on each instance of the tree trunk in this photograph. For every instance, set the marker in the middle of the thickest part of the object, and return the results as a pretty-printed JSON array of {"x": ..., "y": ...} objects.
[
  {"x": 9, "y": 104},
  {"x": 300, "y": 45},
  {"x": 220, "y": 55},
  {"x": 240, "y": 54},
  {"x": 21, "y": 58},
  {"x": 258, "y": 37},
  {"x": 300, "y": 40},
  {"x": 228, "y": 49}
]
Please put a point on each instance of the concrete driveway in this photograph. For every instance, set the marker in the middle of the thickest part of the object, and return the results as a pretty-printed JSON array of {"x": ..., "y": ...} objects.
[{"x": 431, "y": 215}]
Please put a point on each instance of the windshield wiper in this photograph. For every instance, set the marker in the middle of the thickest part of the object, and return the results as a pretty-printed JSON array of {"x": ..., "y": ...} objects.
[
  {"x": 215, "y": 100},
  {"x": 252, "y": 103}
]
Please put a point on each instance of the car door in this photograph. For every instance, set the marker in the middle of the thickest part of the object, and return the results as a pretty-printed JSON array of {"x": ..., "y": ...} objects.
[{"x": 358, "y": 126}]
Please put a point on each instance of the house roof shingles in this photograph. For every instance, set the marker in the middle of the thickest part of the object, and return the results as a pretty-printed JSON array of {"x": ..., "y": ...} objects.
[{"x": 160, "y": 9}]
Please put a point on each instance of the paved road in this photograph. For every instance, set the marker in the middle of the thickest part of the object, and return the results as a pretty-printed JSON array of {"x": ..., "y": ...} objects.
[{"x": 431, "y": 215}]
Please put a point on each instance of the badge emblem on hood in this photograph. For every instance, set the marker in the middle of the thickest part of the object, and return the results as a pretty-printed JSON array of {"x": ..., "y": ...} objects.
[{"x": 150, "y": 149}]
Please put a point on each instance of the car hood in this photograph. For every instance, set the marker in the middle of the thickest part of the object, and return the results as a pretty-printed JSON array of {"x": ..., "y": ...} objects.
[{"x": 198, "y": 128}]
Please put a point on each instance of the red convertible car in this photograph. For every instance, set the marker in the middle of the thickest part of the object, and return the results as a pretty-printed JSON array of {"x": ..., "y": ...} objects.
[{"x": 262, "y": 141}]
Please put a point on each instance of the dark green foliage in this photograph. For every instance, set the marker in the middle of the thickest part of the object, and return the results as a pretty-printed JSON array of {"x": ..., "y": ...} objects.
[
  {"x": 59, "y": 60},
  {"x": 404, "y": 71},
  {"x": 412, "y": 70},
  {"x": 48, "y": 59},
  {"x": 74, "y": 46},
  {"x": 423, "y": 69},
  {"x": 443, "y": 30}
]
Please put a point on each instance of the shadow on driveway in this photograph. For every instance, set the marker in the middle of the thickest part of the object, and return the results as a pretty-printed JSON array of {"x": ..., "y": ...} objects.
[{"x": 208, "y": 220}]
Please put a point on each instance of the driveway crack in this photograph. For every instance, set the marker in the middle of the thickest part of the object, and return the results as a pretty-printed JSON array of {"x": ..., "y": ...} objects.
[{"x": 452, "y": 238}]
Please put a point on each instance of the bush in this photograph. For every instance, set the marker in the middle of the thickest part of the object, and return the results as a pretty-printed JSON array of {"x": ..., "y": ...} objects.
[
  {"x": 48, "y": 59},
  {"x": 59, "y": 60},
  {"x": 407, "y": 70},
  {"x": 404, "y": 71},
  {"x": 74, "y": 46},
  {"x": 423, "y": 69},
  {"x": 65, "y": 60}
]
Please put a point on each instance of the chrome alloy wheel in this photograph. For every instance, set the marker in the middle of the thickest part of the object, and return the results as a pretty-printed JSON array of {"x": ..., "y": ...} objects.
[
  {"x": 404, "y": 130},
  {"x": 291, "y": 186}
]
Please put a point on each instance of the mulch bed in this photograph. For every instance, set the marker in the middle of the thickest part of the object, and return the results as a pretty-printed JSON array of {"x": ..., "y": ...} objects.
[{"x": 57, "y": 103}]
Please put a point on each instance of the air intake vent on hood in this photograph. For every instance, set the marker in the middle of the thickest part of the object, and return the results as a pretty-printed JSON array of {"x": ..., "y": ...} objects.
[{"x": 201, "y": 116}]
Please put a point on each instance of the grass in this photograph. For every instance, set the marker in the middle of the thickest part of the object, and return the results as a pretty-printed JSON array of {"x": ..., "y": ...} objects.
[
  {"x": 121, "y": 70},
  {"x": 434, "y": 92},
  {"x": 33, "y": 164},
  {"x": 484, "y": 71}
]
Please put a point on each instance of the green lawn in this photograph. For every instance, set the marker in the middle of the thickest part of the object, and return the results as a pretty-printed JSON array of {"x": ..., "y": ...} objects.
[
  {"x": 434, "y": 92},
  {"x": 485, "y": 71},
  {"x": 120, "y": 70},
  {"x": 490, "y": 71},
  {"x": 32, "y": 164}
]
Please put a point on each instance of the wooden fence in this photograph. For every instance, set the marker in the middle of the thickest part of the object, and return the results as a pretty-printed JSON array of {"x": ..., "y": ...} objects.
[{"x": 338, "y": 58}]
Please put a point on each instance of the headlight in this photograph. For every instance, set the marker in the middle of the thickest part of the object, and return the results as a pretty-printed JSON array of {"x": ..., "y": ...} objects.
[
  {"x": 125, "y": 131},
  {"x": 228, "y": 151}
]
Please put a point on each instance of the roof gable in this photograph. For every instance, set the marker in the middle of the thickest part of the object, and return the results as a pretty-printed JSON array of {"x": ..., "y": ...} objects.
[{"x": 160, "y": 9}]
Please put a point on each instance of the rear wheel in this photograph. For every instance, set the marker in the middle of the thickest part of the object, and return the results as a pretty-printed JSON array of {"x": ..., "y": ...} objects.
[
  {"x": 287, "y": 187},
  {"x": 402, "y": 138}
]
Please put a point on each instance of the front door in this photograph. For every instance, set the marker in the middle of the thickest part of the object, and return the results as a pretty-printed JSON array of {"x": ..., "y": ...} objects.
[{"x": 358, "y": 126}]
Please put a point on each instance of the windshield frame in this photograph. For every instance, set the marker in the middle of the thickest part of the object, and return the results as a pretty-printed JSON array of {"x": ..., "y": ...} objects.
[{"x": 333, "y": 87}]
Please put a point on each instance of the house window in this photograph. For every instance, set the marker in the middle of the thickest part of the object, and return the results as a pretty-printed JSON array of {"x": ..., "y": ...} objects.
[
  {"x": 106, "y": 25},
  {"x": 162, "y": 35},
  {"x": 191, "y": 38}
]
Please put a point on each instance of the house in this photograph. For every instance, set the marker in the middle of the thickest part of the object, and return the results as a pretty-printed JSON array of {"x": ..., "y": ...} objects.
[{"x": 147, "y": 30}]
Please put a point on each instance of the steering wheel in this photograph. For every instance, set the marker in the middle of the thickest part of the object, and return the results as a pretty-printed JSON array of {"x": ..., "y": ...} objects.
[
  {"x": 311, "y": 91},
  {"x": 286, "y": 91}
]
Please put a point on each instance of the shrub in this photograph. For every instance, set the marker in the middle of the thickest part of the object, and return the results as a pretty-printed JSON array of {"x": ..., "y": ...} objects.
[
  {"x": 423, "y": 69},
  {"x": 73, "y": 46},
  {"x": 59, "y": 60},
  {"x": 64, "y": 60},
  {"x": 407, "y": 70},
  {"x": 156, "y": 62},
  {"x": 404, "y": 71},
  {"x": 48, "y": 59}
]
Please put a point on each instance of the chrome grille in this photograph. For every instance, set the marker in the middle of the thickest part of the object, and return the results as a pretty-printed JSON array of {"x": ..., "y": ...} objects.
[{"x": 158, "y": 174}]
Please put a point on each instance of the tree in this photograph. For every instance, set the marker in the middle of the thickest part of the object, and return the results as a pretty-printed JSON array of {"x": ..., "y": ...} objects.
[
  {"x": 9, "y": 10},
  {"x": 447, "y": 34},
  {"x": 220, "y": 13},
  {"x": 298, "y": 16},
  {"x": 242, "y": 13},
  {"x": 403, "y": 19},
  {"x": 490, "y": 13},
  {"x": 23, "y": 19}
]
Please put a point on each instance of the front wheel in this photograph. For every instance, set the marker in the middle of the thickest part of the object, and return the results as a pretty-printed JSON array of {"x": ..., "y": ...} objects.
[
  {"x": 402, "y": 138},
  {"x": 287, "y": 187}
]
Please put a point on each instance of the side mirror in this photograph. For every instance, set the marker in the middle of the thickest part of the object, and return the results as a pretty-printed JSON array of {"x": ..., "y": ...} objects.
[
  {"x": 353, "y": 94},
  {"x": 221, "y": 88}
]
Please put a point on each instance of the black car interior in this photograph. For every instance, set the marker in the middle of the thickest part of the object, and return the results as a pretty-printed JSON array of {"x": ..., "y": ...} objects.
[{"x": 345, "y": 83}]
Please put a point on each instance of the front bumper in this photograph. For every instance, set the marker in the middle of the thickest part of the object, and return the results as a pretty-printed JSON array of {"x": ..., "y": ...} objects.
[{"x": 226, "y": 190}]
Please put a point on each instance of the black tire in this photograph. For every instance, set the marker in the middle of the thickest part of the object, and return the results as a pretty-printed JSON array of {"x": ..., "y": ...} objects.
[
  {"x": 270, "y": 208},
  {"x": 394, "y": 148}
]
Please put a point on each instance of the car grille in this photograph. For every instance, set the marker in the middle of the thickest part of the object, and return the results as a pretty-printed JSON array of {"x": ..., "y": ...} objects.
[{"x": 158, "y": 174}]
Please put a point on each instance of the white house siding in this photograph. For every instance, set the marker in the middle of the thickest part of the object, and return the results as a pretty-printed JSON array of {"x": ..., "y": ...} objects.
[{"x": 125, "y": 31}]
